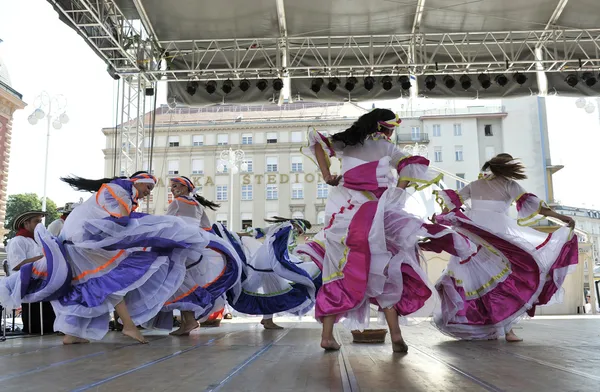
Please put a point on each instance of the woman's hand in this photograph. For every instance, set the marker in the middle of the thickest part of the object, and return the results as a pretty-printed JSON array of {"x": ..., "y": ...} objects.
[
  {"x": 432, "y": 219},
  {"x": 569, "y": 221},
  {"x": 333, "y": 179}
]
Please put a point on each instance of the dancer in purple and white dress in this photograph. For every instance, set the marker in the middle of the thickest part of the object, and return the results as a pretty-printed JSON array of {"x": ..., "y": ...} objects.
[
  {"x": 514, "y": 269},
  {"x": 369, "y": 249}
]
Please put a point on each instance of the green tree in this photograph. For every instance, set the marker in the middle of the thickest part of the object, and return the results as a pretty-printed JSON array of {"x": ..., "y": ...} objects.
[{"x": 19, "y": 203}]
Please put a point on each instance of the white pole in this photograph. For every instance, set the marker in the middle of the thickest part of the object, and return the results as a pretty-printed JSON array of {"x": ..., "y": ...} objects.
[
  {"x": 231, "y": 165},
  {"x": 49, "y": 117}
]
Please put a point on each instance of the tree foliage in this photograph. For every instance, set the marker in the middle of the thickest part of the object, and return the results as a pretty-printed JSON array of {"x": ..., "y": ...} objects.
[{"x": 22, "y": 202}]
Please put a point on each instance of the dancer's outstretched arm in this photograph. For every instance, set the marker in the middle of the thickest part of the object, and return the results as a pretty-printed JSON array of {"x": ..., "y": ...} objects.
[
  {"x": 330, "y": 179},
  {"x": 549, "y": 212}
]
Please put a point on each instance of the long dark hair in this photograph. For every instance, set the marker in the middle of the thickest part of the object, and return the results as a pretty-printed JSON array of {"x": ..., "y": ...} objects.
[
  {"x": 87, "y": 185},
  {"x": 504, "y": 165},
  {"x": 279, "y": 219},
  {"x": 363, "y": 127},
  {"x": 203, "y": 201}
]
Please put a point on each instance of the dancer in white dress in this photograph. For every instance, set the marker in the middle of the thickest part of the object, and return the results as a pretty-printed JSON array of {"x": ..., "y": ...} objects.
[{"x": 514, "y": 269}]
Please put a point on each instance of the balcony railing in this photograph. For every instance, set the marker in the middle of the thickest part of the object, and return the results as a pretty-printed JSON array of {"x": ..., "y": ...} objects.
[{"x": 412, "y": 138}]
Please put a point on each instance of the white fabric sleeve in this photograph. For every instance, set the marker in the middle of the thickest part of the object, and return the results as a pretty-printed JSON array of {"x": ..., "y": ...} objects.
[
  {"x": 16, "y": 252},
  {"x": 114, "y": 199}
]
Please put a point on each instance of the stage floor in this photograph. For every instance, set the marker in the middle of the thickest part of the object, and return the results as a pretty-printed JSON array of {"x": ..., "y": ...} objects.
[{"x": 558, "y": 354}]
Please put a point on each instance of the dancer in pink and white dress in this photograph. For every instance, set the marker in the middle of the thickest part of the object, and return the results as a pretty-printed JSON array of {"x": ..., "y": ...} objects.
[
  {"x": 369, "y": 249},
  {"x": 514, "y": 269}
]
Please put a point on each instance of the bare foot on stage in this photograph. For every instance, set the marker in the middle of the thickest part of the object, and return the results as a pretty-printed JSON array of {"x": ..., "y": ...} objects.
[
  {"x": 185, "y": 330},
  {"x": 330, "y": 344},
  {"x": 135, "y": 334},
  {"x": 269, "y": 324},
  {"x": 398, "y": 344},
  {"x": 68, "y": 339},
  {"x": 512, "y": 337}
]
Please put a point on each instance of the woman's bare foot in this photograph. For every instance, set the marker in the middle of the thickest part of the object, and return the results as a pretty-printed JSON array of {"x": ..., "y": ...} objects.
[
  {"x": 512, "y": 337},
  {"x": 185, "y": 329},
  {"x": 269, "y": 324},
  {"x": 68, "y": 339},
  {"x": 398, "y": 344},
  {"x": 330, "y": 344},
  {"x": 135, "y": 334}
]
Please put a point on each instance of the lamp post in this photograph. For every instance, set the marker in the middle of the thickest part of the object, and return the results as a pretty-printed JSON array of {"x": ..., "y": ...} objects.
[
  {"x": 55, "y": 109},
  {"x": 235, "y": 162},
  {"x": 416, "y": 149}
]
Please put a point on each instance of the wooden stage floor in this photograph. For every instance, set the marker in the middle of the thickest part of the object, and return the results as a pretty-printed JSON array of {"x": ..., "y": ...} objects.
[{"x": 558, "y": 354}]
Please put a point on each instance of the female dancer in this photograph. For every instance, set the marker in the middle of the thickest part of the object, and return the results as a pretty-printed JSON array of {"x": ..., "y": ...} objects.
[
  {"x": 514, "y": 269},
  {"x": 205, "y": 282},
  {"x": 275, "y": 280},
  {"x": 369, "y": 248}
]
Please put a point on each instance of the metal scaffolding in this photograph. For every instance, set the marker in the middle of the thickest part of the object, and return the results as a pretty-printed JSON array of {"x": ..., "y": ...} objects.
[{"x": 132, "y": 125}]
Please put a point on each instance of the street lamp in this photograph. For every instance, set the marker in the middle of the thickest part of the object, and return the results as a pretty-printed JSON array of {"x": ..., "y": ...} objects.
[
  {"x": 235, "y": 161},
  {"x": 56, "y": 115},
  {"x": 416, "y": 149}
]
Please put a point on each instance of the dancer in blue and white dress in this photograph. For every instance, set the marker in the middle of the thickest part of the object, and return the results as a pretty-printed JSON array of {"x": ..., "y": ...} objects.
[
  {"x": 108, "y": 257},
  {"x": 274, "y": 280}
]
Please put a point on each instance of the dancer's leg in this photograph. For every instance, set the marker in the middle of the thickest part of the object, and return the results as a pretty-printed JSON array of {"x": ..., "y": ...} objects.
[
  {"x": 327, "y": 340},
  {"x": 129, "y": 328},
  {"x": 512, "y": 337},
  {"x": 398, "y": 344},
  {"x": 188, "y": 324},
  {"x": 268, "y": 323}
]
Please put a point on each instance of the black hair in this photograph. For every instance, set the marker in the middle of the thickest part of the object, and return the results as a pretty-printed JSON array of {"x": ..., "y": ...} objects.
[
  {"x": 504, "y": 165},
  {"x": 363, "y": 127},
  {"x": 203, "y": 201},
  {"x": 279, "y": 219},
  {"x": 88, "y": 185}
]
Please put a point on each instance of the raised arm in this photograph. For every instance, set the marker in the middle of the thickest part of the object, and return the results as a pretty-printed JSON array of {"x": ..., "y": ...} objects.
[{"x": 529, "y": 206}]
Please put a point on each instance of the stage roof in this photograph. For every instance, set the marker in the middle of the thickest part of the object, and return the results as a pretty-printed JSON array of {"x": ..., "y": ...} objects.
[{"x": 184, "y": 40}]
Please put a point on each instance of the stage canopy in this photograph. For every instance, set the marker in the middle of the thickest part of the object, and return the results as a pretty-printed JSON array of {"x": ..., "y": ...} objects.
[{"x": 443, "y": 48}]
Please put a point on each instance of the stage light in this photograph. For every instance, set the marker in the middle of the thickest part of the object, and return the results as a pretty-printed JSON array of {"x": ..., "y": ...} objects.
[
  {"x": 501, "y": 80},
  {"x": 315, "y": 84},
  {"x": 227, "y": 86},
  {"x": 191, "y": 87},
  {"x": 369, "y": 83},
  {"x": 430, "y": 82},
  {"x": 244, "y": 85},
  {"x": 350, "y": 83},
  {"x": 572, "y": 80},
  {"x": 589, "y": 79},
  {"x": 404, "y": 82},
  {"x": 333, "y": 83},
  {"x": 520, "y": 78},
  {"x": 387, "y": 83},
  {"x": 277, "y": 84},
  {"x": 211, "y": 86},
  {"x": 262, "y": 84},
  {"x": 484, "y": 80},
  {"x": 449, "y": 81},
  {"x": 465, "y": 82}
]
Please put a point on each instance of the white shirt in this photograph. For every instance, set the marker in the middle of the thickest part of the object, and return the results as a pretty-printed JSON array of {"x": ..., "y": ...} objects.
[
  {"x": 56, "y": 227},
  {"x": 21, "y": 248}
]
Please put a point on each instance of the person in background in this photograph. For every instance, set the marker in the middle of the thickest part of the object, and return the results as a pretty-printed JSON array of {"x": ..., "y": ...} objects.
[
  {"x": 21, "y": 250},
  {"x": 56, "y": 227}
]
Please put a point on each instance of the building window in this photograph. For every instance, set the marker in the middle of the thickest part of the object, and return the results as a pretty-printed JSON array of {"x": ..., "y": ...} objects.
[
  {"x": 146, "y": 168},
  {"x": 297, "y": 164},
  {"x": 169, "y": 196},
  {"x": 173, "y": 167},
  {"x": 198, "y": 140},
  {"x": 488, "y": 130},
  {"x": 297, "y": 137},
  {"x": 271, "y": 214},
  {"x": 272, "y": 163},
  {"x": 246, "y": 192},
  {"x": 322, "y": 190},
  {"x": 222, "y": 139},
  {"x": 415, "y": 133},
  {"x": 250, "y": 165},
  {"x": 321, "y": 218},
  {"x": 271, "y": 137},
  {"x": 460, "y": 184},
  {"x": 437, "y": 153},
  {"x": 222, "y": 192},
  {"x": 247, "y": 138},
  {"x": 297, "y": 191},
  {"x": 197, "y": 166},
  {"x": 458, "y": 153},
  {"x": 437, "y": 130},
  {"x": 298, "y": 215},
  {"x": 222, "y": 219},
  {"x": 222, "y": 166},
  {"x": 272, "y": 192},
  {"x": 173, "y": 141},
  {"x": 457, "y": 130},
  {"x": 246, "y": 220},
  {"x": 490, "y": 152},
  {"x": 199, "y": 190}
]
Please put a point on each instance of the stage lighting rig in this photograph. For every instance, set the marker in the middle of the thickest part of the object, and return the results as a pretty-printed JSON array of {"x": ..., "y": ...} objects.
[
  {"x": 245, "y": 85},
  {"x": 277, "y": 84},
  {"x": 227, "y": 86},
  {"x": 501, "y": 80},
  {"x": 484, "y": 81},
  {"x": 191, "y": 87},
  {"x": 404, "y": 82},
  {"x": 386, "y": 83},
  {"x": 211, "y": 86},
  {"x": 333, "y": 83},
  {"x": 369, "y": 83},
  {"x": 465, "y": 82},
  {"x": 316, "y": 84},
  {"x": 449, "y": 81},
  {"x": 589, "y": 79},
  {"x": 520, "y": 78},
  {"x": 262, "y": 84},
  {"x": 430, "y": 82},
  {"x": 350, "y": 83}
]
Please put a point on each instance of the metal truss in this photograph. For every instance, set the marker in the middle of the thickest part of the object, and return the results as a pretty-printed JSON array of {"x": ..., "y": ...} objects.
[{"x": 131, "y": 127}]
